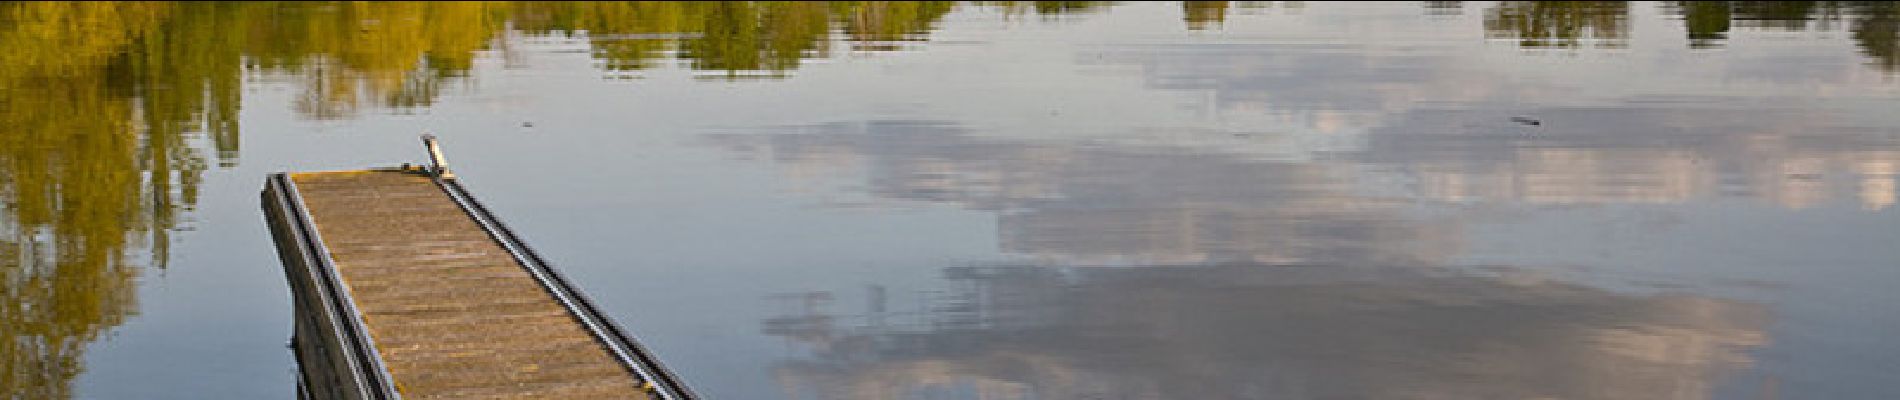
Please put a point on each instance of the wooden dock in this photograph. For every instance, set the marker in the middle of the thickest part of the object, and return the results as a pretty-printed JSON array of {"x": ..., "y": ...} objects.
[{"x": 406, "y": 287}]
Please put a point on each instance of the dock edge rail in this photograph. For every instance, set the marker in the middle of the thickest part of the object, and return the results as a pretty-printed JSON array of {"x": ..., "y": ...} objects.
[
  {"x": 331, "y": 342},
  {"x": 654, "y": 376},
  {"x": 336, "y": 327}
]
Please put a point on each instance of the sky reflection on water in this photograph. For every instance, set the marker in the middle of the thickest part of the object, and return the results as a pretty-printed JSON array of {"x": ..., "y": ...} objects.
[{"x": 1680, "y": 200}]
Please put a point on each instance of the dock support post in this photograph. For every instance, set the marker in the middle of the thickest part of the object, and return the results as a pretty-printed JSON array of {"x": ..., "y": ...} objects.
[{"x": 438, "y": 166}]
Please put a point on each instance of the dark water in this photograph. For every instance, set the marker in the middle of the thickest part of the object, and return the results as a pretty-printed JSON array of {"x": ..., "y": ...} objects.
[{"x": 1047, "y": 200}]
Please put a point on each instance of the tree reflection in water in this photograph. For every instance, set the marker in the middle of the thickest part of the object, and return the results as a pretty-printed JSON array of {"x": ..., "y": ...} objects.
[
  {"x": 108, "y": 111},
  {"x": 111, "y": 114}
]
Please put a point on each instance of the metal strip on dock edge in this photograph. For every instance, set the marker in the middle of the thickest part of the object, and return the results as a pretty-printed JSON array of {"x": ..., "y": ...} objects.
[
  {"x": 630, "y": 353},
  {"x": 361, "y": 349}
]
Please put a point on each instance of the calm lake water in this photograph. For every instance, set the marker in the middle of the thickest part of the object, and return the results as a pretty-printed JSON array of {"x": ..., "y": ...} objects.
[{"x": 1048, "y": 200}]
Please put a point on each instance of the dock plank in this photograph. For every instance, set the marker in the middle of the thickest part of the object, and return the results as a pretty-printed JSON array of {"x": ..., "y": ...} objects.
[{"x": 452, "y": 313}]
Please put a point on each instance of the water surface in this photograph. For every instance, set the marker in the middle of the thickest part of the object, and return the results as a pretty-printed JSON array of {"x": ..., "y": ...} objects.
[{"x": 1016, "y": 200}]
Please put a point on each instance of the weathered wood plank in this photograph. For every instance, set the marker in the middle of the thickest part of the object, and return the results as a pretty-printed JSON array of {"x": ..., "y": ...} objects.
[{"x": 452, "y": 314}]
